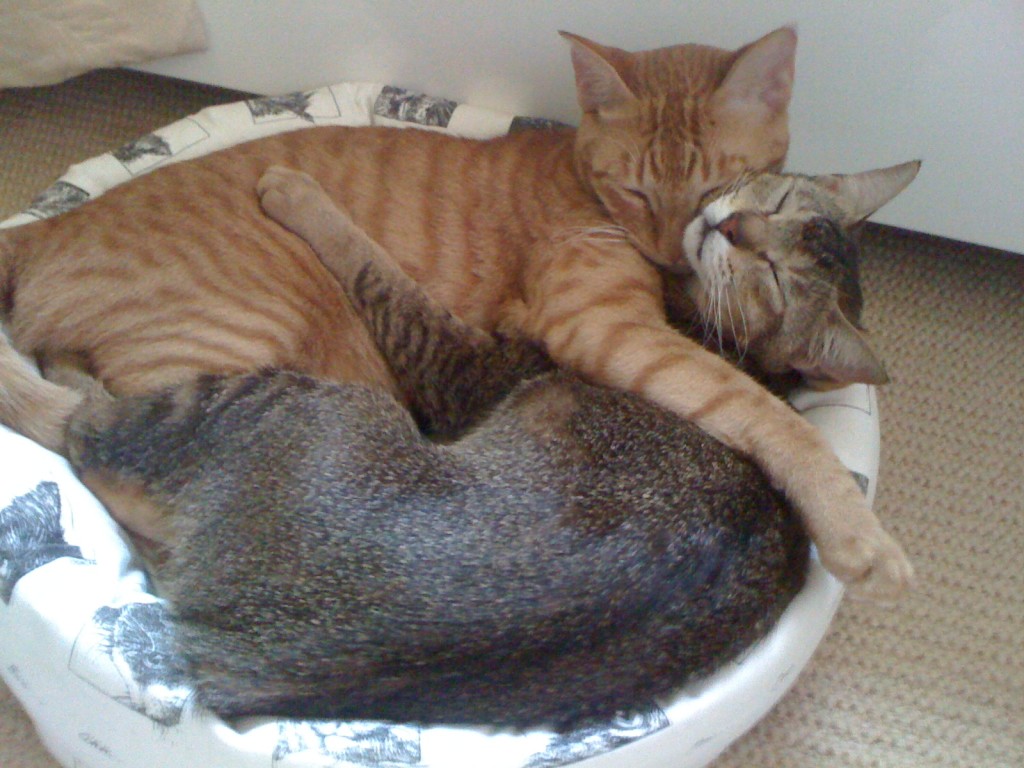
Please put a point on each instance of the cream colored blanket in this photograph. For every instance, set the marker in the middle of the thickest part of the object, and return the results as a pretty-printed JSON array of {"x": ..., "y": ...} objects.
[{"x": 46, "y": 41}]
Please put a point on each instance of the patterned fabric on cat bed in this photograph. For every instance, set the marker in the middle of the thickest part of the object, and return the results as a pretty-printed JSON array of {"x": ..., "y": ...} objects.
[{"x": 84, "y": 642}]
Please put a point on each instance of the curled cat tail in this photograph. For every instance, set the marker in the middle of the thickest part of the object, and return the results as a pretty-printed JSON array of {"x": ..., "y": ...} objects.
[{"x": 29, "y": 404}]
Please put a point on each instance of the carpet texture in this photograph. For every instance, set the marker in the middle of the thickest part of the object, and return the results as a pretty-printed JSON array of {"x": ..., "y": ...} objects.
[{"x": 937, "y": 680}]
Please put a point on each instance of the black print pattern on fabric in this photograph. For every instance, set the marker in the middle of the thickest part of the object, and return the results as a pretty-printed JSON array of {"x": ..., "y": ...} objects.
[
  {"x": 535, "y": 124},
  {"x": 598, "y": 738},
  {"x": 297, "y": 104},
  {"x": 355, "y": 743},
  {"x": 31, "y": 535},
  {"x": 126, "y": 652},
  {"x": 143, "y": 147},
  {"x": 400, "y": 104},
  {"x": 59, "y": 197}
]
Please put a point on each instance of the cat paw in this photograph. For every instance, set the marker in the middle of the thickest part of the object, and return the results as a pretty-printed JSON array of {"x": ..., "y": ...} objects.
[
  {"x": 872, "y": 565},
  {"x": 293, "y": 199},
  {"x": 513, "y": 318}
]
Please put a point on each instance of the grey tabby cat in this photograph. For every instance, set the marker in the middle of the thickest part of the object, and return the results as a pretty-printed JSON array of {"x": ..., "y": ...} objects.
[{"x": 553, "y": 552}]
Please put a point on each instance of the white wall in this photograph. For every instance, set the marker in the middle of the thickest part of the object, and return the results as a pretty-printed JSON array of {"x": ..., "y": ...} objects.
[{"x": 877, "y": 82}]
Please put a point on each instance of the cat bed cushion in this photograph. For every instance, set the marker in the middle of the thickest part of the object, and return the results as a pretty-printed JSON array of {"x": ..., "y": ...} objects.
[{"x": 84, "y": 641}]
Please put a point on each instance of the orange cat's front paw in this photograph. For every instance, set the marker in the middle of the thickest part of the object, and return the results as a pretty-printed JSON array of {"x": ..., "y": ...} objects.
[{"x": 871, "y": 564}]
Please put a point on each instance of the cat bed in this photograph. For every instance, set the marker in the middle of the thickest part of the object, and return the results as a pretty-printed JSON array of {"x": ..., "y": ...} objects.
[{"x": 84, "y": 641}]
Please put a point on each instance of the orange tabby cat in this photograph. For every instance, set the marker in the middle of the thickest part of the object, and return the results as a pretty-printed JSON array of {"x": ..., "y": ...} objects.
[{"x": 554, "y": 232}]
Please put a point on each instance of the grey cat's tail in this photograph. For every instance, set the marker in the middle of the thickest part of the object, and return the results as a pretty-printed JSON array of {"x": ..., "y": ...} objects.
[{"x": 31, "y": 405}]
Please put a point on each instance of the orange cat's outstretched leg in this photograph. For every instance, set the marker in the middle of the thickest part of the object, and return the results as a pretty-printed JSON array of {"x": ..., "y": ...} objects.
[{"x": 599, "y": 311}]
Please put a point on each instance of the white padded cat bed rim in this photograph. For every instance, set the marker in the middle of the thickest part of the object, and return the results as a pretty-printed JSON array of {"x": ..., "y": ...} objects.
[{"x": 84, "y": 641}]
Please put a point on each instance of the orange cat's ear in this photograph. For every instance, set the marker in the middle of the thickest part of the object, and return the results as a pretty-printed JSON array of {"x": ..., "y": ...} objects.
[
  {"x": 600, "y": 74},
  {"x": 762, "y": 74},
  {"x": 861, "y": 194},
  {"x": 842, "y": 355}
]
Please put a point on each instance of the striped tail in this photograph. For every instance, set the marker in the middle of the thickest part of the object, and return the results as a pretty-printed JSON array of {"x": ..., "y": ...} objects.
[{"x": 31, "y": 405}]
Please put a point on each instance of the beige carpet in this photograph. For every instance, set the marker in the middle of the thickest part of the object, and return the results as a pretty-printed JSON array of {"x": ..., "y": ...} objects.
[{"x": 935, "y": 681}]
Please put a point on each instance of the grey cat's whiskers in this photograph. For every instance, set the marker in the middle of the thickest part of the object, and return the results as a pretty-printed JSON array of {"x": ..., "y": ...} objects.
[
  {"x": 720, "y": 305},
  {"x": 741, "y": 343},
  {"x": 713, "y": 315},
  {"x": 720, "y": 300},
  {"x": 723, "y": 280}
]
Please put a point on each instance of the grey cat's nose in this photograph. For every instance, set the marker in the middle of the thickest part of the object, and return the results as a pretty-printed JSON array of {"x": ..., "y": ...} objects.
[
  {"x": 730, "y": 228},
  {"x": 746, "y": 231}
]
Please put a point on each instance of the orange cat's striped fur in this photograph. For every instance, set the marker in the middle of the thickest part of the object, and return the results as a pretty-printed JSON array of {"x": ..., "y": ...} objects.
[{"x": 556, "y": 233}]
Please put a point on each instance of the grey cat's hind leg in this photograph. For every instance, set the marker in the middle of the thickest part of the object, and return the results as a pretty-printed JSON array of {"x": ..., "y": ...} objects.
[
  {"x": 450, "y": 373},
  {"x": 131, "y": 503},
  {"x": 95, "y": 440}
]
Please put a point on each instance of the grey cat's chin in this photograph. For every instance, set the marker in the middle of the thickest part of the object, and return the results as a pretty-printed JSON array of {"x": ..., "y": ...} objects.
[{"x": 694, "y": 236}]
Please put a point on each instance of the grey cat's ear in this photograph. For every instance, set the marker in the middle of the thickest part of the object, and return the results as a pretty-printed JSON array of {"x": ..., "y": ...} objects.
[
  {"x": 861, "y": 194},
  {"x": 841, "y": 355},
  {"x": 762, "y": 74},
  {"x": 600, "y": 72}
]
